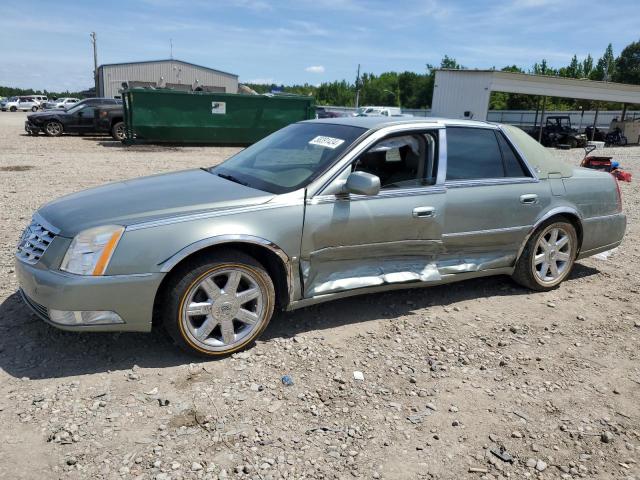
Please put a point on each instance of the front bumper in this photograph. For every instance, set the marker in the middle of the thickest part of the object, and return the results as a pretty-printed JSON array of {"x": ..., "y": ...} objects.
[
  {"x": 130, "y": 296},
  {"x": 30, "y": 127}
]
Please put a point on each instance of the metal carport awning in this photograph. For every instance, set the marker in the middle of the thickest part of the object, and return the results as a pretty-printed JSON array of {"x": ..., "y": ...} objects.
[{"x": 466, "y": 93}]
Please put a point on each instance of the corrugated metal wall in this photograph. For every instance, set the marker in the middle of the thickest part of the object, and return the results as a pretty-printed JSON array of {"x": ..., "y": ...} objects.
[
  {"x": 111, "y": 77},
  {"x": 453, "y": 95}
]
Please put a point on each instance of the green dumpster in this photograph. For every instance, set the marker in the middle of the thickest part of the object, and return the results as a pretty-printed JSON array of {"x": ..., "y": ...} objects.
[{"x": 169, "y": 116}]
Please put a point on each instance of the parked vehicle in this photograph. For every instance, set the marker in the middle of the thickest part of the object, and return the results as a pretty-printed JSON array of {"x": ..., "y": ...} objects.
[
  {"x": 378, "y": 112},
  {"x": 61, "y": 103},
  {"x": 558, "y": 131},
  {"x": 41, "y": 99},
  {"x": 615, "y": 138},
  {"x": 110, "y": 118},
  {"x": 23, "y": 104},
  {"x": 77, "y": 119},
  {"x": 319, "y": 210},
  {"x": 323, "y": 112}
]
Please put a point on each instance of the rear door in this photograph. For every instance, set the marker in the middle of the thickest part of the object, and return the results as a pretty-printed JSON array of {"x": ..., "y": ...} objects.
[
  {"x": 355, "y": 241},
  {"x": 493, "y": 199}
]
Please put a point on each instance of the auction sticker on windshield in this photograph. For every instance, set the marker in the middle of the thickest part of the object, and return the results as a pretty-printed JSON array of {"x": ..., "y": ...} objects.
[{"x": 328, "y": 142}]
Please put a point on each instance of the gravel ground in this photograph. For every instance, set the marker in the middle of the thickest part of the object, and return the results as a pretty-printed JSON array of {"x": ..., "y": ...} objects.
[{"x": 451, "y": 374}]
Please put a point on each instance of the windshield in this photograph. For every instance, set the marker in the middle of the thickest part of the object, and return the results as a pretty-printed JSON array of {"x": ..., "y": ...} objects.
[
  {"x": 290, "y": 158},
  {"x": 75, "y": 108}
]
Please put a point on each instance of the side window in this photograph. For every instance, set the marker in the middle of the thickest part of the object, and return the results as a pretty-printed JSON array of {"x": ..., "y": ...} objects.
[
  {"x": 87, "y": 112},
  {"x": 512, "y": 164},
  {"x": 402, "y": 161},
  {"x": 472, "y": 153}
]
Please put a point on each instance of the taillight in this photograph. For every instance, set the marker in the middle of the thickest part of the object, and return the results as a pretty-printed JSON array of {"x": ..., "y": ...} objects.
[{"x": 619, "y": 194}]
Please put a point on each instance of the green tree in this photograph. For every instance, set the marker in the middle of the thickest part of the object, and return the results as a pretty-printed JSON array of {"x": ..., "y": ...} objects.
[
  {"x": 628, "y": 64},
  {"x": 587, "y": 66},
  {"x": 605, "y": 67}
]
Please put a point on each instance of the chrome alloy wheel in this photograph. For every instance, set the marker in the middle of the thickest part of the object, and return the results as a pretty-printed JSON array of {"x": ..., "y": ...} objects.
[
  {"x": 53, "y": 128},
  {"x": 223, "y": 308},
  {"x": 552, "y": 255}
]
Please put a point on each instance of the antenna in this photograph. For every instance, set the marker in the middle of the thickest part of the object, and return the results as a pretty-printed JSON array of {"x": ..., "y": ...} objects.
[{"x": 171, "y": 48}]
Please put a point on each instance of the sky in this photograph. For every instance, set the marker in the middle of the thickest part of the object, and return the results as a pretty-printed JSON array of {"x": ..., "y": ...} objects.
[{"x": 46, "y": 45}]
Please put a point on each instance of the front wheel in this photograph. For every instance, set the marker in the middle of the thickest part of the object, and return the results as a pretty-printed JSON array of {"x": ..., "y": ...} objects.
[
  {"x": 53, "y": 128},
  {"x": 13, "y": 109},
  {"x": 34, "y": 109},
  {"x": 548, "y": 256},
  {"x": 218, "y": 305}
]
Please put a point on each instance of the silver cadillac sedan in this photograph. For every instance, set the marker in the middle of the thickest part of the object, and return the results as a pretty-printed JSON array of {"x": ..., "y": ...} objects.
[{"x": 319, "y": 210}]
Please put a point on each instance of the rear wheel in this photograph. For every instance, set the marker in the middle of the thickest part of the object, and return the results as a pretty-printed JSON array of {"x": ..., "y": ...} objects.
[
  {"x": 13, "y": 109},
  {"x": 34, "y": 109},
  {"x": 218, "y": 305},
  {"x": 572, "y": 142},
  {"x": 548, "y": 257},
  {"x": 53, "y": 128},
  {"x": 117, "y": 131}
]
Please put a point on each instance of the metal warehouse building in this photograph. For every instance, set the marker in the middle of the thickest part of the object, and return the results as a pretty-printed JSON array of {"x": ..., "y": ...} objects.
[{"x": 170, "y": 73}]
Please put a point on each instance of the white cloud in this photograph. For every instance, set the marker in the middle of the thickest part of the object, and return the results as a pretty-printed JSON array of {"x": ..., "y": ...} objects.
[{"x": 315, "y": 69}]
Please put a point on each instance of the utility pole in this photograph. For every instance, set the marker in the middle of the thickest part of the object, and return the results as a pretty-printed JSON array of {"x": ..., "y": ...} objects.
[
  {"x": 95, "y": 61},
  {"x": 358, "y": 87}
]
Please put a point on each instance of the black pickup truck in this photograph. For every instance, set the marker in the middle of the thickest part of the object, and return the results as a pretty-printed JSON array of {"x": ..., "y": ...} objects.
[
  {"x": 110, "y": 118},
  {"x": 77, "y": 119}
]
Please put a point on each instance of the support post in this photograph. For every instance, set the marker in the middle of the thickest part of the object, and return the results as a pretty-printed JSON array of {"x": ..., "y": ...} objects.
[
  {"x": 544, "y": 104},
  {"x": 624, "y": 112},
  {"x": 595, "y": 121}
]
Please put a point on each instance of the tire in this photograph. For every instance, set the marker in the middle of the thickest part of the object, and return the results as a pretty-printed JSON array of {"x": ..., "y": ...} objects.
[
  {"x": 535, "y": 257},
  {"x": 623, "y": 141},
  {"x": 117, "y": 131},
  {"x": 227, "y": 324},
  {"x": 572, "y": 142},
  {"x": 53, "y": 128},
  {"x": 34, "y": 109},
  {"x": 13, "y": 109}
]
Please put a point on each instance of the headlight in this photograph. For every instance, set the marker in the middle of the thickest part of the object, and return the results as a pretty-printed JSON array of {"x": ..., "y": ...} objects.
[{"x": 91, "y": 250}]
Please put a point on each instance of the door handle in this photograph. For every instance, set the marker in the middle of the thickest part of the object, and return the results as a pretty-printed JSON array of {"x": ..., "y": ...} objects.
[
  {"x": 529, "y": 199},
  {"x": 424, "y": 212}
]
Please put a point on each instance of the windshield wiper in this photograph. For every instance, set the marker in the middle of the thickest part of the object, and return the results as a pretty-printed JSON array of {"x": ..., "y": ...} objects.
[{"x": 231, "y": 178}]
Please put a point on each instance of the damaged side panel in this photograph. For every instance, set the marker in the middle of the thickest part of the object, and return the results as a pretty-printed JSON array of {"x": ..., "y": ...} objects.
[{"x": 344, "y": 268}]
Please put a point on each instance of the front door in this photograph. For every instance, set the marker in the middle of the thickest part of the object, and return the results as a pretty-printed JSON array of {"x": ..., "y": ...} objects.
[
  {"x": 82, "y": 121},
  {"x": 357, "y": 241}
]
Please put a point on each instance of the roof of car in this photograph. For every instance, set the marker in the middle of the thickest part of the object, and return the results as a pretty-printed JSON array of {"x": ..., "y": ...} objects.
[{"x": 380, "y": 122}]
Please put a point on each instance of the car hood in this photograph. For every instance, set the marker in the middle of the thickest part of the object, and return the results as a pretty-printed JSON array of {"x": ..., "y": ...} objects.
[
  {"x": 46, "y": 115},
  {"x": 148, "y": 198}
]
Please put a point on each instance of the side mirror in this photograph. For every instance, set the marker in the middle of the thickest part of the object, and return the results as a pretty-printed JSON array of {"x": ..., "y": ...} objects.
[{"x": 362, "y": 183}]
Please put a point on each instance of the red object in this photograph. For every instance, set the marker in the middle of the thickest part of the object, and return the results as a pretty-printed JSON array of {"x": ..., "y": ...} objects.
[
  {"x": 622, "y": 175},
  {"x": 597, "y": 163}
]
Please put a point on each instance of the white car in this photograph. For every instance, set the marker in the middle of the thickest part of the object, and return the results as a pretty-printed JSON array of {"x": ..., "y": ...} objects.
[
  {"x": 24, "y": 104},
  {"x": 378, "y": 112},
  {"x": 61, "y": 103},
  {"x": 41, "y": 99}
]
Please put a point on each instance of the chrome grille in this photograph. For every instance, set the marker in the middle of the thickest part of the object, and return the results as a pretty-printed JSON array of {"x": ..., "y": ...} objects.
[{"x": 34, "y": 242}]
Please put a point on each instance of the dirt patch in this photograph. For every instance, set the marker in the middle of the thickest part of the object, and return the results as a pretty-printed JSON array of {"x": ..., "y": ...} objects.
[{"x": 16, "y": 168}]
